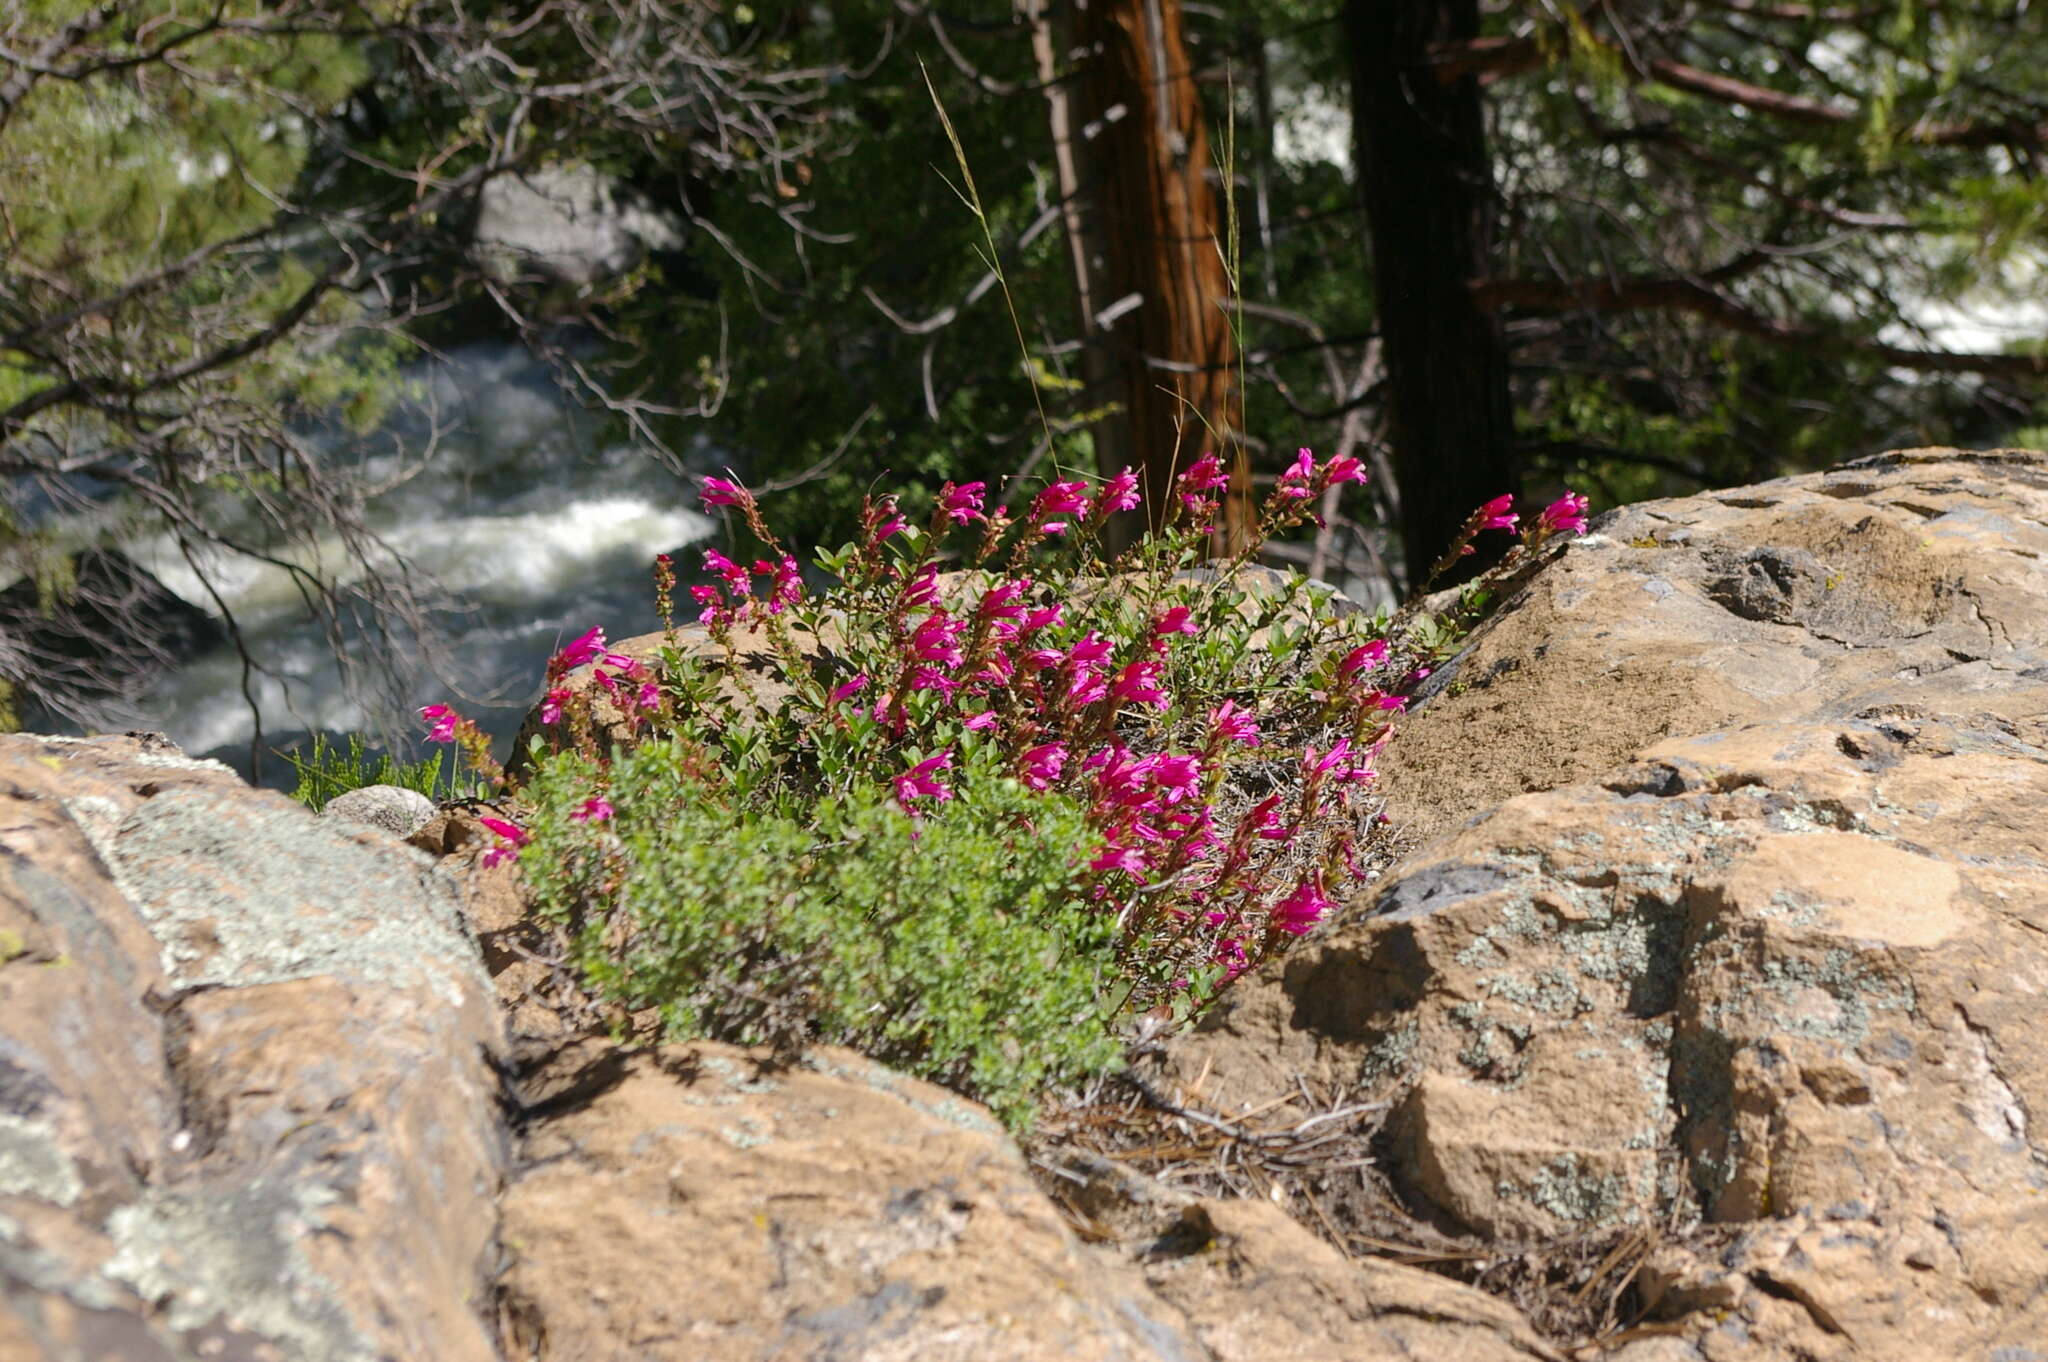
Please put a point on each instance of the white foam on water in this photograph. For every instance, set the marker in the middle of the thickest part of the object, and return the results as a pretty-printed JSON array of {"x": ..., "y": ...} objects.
[{"x": 517, "y": 519}]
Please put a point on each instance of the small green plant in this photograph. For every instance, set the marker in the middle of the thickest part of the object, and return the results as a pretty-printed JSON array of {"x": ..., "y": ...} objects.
[
  {"x": 955, "y": 945},
  {"x": 325, "y": 773}
]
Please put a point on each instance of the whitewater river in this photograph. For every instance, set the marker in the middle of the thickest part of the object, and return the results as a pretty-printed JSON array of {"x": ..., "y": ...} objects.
[{"x": 533, "y": 529}]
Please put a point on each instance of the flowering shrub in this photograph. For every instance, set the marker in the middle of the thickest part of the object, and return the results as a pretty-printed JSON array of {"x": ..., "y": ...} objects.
[{"x": 1140, "y": 772}]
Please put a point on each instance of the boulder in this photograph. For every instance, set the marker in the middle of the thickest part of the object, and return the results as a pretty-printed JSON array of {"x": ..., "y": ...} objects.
[
  {"x": 1732, "y": 921},
  {"x": 567, "y": 224},
  {"x": 247, "y": 1098},
  {"x": 691, "y": 1202},
  {"x": 396, "y": 810}
]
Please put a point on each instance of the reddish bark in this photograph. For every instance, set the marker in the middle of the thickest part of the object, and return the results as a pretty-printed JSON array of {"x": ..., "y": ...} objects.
[{"x": 1147, "y": 152}]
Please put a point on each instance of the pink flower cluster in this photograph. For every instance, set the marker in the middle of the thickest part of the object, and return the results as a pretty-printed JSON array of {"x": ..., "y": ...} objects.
[
  {"x": 937, "y": 678},
  {"x": 784, "y": 580}
]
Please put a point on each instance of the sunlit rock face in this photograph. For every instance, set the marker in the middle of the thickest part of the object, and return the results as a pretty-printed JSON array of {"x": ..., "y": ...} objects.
[
  {"x": 1729, "y": 921},
  {"x": 247, "y": 1089}
]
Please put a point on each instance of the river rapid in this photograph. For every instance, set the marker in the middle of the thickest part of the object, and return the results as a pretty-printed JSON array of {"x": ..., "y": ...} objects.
[{"x": 498, "y": 491}]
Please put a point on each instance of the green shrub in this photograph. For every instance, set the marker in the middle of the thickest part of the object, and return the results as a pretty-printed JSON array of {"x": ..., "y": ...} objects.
[{"x": 957, "y": 946}]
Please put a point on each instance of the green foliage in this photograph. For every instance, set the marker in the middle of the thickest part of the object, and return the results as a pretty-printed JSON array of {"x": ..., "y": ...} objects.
[
  {"x": 325, "y": 773},
  {"x": 953, "y": 946}
]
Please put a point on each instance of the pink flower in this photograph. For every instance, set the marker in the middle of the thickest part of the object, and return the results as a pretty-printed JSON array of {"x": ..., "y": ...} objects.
[
  {"x": 596, "y": 809},
  {"x": 1177, "y": 776},
  {"x": 1312, "y": 765},
  {"x": 1114, "y": 768},
  {"x": 1120, "y": 493},
  {"x": 1043, "y": 764},
  {"x": 1344, "y": 468},
  {"x": 1138, "y": 684},
  {"x": 1360, "y": 658},
  {"x": 735, "y": 576},
  {"x": 514, "y": 837},
  {"x": 1498, "y": 514},
  {"x": 999, "y": 603},
  {"x": 978, "y": 722},
  {"x": 789, "y": 584},
  {"x": 931, "y": 678},
  {"x": 1127, "y": 859},
  {"x": 962, "y": 503},
  {"x": 1228, "y": 722},
  {"x": 1264, "y": 821},
  {"x": 1303, "y": 909},
  {"x": 551, "y": 706},
  {"x": 1294, "y": 484},
  {"x": 720, "y": 492},
  {"x": 919, "y": 783},
  {"x": 998, "y": 671},
  {"x": 846, "y": 690},
  {"x": 1174, "y": 621},
  {"x": 1042, "y": 617},
  {"x": 1204, "y": 474},
  {"x": 882, "y": 521},
  {"x": 713, "y": 601},
  {"x": 1086, "y": 686},
  {"x": 443, "y": 720},
  {"x": 937, "y": 639},
  {"x": 922, "y": 589},
  {"x": 1059, "y": 499},
  {"x": 1093, "y": 647},
  {"x": 649, "y": 698},
  {"x": 1567, "y": 513},
  {"x": 580, "y": 651}
]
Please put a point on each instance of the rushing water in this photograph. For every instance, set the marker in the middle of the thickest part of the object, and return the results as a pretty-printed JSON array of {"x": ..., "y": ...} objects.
[{"x": 533, "y": 530}]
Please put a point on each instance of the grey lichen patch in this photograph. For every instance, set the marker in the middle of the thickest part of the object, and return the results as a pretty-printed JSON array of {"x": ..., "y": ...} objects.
[
  {"x": 242, "y": 890},
  {"x": 1563, "y": 1189},
  {"x": 1481, "y": 954},
  {"x": 746, "y": 1133},
  {"x": 1792, "y": 908},
  {"x": 1786, "y": 813},
  {"x": 33, "y": 1164},
  {"x": 735, "y": 1077},
  {"x": 1857, "y": 992},
  {"x": 234, "y": 1256},
  {"x": 1490, "y": 1054},
  {"x": 1390, "y": 1057},
  {"x": 1433, "y": 888},
  {"x": 24, "y": 1265},
  {"x": 1550, "y": 991},
  {"x": 951, "y": 1110}
]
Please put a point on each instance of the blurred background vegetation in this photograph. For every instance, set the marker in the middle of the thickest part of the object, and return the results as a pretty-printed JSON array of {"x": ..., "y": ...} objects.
[{"x": 1638, "y": 247}]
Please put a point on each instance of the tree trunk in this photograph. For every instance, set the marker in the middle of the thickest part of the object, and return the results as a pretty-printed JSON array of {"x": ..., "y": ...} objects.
[
  {"x": 1145, "y": 156},
  {"x": 1425, "y": 181},
  {"x": 1087, "y": 260}
]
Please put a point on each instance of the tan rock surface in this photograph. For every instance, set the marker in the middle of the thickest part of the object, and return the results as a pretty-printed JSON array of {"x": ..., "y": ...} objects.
[
  {"x": 246, "y": 1102},
  {"x": 837, "y": 1210},
  {"x": 1763, "y": 955}
]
